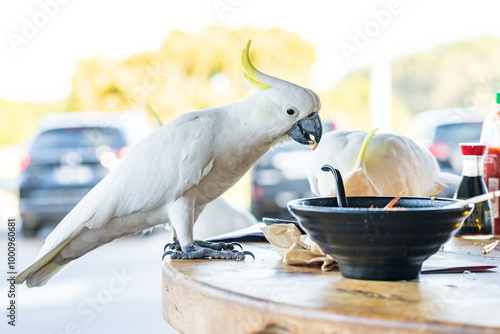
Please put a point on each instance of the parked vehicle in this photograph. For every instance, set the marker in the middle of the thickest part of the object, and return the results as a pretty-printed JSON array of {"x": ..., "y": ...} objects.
[
  {"x": 70, "y": 154},
  {"x": 280, "y": 176},
  {"x": 442, "y": 130}
]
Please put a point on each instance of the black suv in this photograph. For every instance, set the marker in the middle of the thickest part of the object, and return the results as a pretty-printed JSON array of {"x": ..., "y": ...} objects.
[{"x": 68, "y": 157}]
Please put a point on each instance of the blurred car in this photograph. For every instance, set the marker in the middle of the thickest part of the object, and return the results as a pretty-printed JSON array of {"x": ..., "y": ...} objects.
[
  {"x": 280, "y": 176},
  {"x": 71, "y": 153},
  {"x": 441, "y": 131}
]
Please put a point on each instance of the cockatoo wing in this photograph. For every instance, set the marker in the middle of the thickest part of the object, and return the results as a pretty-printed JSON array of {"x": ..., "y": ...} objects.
[
  {"x": 396, "y": 163},
  {"x": 393, "y": 163},
  {"x": 339, "y": 149},
  {"x": 158, "y": 170}
]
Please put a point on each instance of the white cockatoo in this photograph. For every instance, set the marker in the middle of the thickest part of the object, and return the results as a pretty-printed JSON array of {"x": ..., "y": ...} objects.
[
  {"x": 375, "y": 164},
  {"x": 174, "y": 172}
]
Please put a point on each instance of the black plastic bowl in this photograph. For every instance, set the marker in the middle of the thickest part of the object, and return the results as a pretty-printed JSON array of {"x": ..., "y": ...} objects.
[{"x": 374, "y": 244}]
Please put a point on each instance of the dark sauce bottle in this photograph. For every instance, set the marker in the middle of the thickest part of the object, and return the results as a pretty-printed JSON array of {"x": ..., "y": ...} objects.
[{"x": 479, "y": 225}]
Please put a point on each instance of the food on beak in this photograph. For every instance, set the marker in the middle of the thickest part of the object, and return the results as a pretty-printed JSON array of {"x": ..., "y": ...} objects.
[{"x": 314, "y": 144}]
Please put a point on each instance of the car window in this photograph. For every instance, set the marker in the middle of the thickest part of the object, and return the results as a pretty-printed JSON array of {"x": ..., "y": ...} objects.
[
  {"x": 79, "y": 138},
  {"x": 453, "y": 134}
]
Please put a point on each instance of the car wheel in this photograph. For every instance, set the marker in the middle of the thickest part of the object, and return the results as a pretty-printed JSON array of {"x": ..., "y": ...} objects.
[
  {"x": 30, "y": 226},
  {"x": 30, "y": 232}
]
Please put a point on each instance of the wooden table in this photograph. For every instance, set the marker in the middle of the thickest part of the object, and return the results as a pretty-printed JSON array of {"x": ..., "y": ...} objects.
[{"x": 267, "y": 296}]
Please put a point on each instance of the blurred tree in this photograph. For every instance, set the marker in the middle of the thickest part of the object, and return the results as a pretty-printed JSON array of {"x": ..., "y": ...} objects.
[
  {"x": 194, "y": 71},
  {"x": 190, "y": 71},
  {"x": 463, "y": 74},
  {"x": 348, "y": 103},
  {"x": 19, "y": 120}
]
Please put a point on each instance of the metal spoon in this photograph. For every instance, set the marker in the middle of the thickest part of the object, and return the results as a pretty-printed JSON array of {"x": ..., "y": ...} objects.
[
  {"x": 475, "y": 199},
  {"x": 341, "y": 198}
]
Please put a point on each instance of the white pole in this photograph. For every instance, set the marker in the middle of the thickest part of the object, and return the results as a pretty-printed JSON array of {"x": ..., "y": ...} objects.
[{"x": 381, "y": 94}]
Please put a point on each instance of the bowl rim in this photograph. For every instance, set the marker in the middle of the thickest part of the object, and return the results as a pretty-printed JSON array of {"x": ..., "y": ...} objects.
[{"x": 296, "y": 204}]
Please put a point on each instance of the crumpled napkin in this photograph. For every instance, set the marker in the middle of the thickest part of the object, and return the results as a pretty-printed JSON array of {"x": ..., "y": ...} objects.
[{"x": 296, "y": 248}]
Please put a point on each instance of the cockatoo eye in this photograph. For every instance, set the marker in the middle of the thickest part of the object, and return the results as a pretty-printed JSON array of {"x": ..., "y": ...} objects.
[{"x": 291, "y": 111}]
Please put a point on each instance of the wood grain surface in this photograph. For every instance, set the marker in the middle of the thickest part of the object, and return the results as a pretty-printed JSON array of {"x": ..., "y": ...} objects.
[{"x": 267, "y": 296}]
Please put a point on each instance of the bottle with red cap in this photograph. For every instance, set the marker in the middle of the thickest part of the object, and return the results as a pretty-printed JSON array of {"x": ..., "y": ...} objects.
[
  {"x": 479, "y": 225},
  {"x": 490, "y": 136}
]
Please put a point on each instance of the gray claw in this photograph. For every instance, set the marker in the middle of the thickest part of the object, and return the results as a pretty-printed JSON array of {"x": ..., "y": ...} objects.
[
  {"x": 172, "y": 246},
  {"x": 237, "y": 244},
  {"x": 217, "y": 245},
  {"x": 248, "y": 253},
  {"x": 167, "y": 253}
]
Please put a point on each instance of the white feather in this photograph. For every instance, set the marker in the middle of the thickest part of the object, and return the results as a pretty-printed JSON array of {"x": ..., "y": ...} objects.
[
  {"x": 393, "y": 163},
  {"x": 146, "y": 179},
  {"x": 172, "y": 174}
]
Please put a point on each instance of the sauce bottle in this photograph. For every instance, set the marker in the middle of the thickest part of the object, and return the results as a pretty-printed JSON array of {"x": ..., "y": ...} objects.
[
  {"x": 479, "y": 225},
  {"x": 490, "y": 136}
]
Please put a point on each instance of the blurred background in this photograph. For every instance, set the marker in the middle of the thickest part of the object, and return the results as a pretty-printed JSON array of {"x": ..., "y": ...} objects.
[{"x": 419, "y": 68}]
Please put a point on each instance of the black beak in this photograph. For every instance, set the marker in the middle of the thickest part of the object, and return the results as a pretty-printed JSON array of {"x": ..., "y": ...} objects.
[{"x": 302, "y": 130}]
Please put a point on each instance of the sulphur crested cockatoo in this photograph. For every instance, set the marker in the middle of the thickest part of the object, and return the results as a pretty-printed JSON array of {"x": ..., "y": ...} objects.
[
  {"x": 386, "y": 164},
  {"x": 218, "y": 217},
  {"x": 178, "y": 169}
]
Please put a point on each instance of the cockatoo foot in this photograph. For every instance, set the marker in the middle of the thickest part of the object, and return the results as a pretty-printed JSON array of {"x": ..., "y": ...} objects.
[
  {"x": 218, "y": 245},
  {"x": 206, "y": 244},
  {"x": 197, "y": 252}
]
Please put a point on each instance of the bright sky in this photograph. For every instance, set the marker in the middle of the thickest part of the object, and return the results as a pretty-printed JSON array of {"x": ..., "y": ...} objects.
[{"x": 41, "y": 40}]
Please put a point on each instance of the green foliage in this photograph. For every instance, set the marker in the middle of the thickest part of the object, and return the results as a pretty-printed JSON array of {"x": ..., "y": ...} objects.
[
  {"x": 347, "y": 104},
  {"x": 195, "y": 71},
  {"x": 19, "y": 120},
  {"x": 190, "y": 71},
  {"x": 464, "y": 74}
]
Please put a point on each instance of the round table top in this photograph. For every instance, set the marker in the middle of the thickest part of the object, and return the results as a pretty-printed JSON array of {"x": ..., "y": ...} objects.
[{"x": 267, "y": 296}]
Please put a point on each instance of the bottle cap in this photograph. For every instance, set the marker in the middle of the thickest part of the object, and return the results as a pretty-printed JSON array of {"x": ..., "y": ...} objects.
[{"x": 472, "y": 148}]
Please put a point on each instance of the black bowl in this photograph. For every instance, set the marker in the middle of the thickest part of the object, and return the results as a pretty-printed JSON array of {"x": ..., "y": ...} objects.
[
  {"x": 272, "y": 221},
  {"x": 373, "y": 244}
]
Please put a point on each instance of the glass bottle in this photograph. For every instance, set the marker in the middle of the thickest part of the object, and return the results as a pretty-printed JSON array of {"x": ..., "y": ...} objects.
[
  {"x": 479, "y": 225},
  {"x": 490, "y": 136}
]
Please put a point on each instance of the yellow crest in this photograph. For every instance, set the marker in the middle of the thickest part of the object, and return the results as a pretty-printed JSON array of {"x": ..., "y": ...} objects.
[{"x": 249, "y": 70}]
